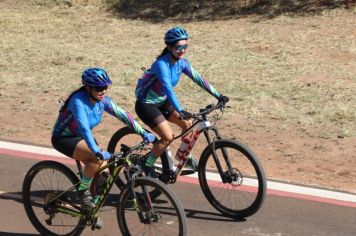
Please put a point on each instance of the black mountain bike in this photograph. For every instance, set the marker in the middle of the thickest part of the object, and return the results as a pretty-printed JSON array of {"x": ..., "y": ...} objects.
[
  {"x": 230, "y": 175},
  {"x": 51, "y": 202}
]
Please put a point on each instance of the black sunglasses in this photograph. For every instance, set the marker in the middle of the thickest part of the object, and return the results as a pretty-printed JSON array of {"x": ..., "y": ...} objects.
[{"x": 100, "y": 88}]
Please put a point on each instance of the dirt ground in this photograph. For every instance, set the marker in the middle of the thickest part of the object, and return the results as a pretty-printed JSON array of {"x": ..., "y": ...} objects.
[
  {"x": 271, "y": 59},
  {"x": 288, "y": 155}
]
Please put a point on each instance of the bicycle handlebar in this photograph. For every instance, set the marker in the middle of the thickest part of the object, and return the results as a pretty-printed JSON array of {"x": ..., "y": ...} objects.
[
  {"x": 124, "y": 150},
  {"x": 208, "y": 109},
  {"x": 201, "y": 115}
]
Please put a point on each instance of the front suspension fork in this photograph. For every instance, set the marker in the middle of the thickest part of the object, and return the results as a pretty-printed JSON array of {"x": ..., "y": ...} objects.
[
  {"x": 211, "y": 144},
  {"x": 141, "y": 210}
]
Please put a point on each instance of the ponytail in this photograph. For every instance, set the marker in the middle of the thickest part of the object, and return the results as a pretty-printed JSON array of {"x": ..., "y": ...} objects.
[
  {"x": 65, "y": 103},
  {"x": 164, "y": 52}
]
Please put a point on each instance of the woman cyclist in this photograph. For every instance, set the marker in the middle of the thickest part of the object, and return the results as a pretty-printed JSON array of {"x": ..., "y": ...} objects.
[
  {"x": 157, "y": 104},
  {"x": 81, "y": 112}
]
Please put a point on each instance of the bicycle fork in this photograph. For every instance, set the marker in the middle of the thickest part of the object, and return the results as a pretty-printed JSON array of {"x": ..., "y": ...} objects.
[
  {"x": 142, "y": 203},
  {"x": 211, "y": 144}
]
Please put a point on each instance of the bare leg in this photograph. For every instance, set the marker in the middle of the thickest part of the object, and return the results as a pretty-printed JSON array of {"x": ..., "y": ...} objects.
[
  {"x": 164, "y": 130},
  {"x": 183, "y": 124},
  {"x": 84, "y": 154}
]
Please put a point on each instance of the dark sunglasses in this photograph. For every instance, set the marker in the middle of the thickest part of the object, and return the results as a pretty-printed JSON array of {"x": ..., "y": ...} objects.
[
  {"x": 181, "y": 47},
  {"x": 100, "y": 88}
]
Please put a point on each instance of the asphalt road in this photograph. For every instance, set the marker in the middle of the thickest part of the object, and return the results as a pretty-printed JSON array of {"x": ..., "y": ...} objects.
[{"x": 278, "y": 216}]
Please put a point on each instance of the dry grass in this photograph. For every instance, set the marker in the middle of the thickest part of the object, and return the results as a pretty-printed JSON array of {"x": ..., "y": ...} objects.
[{"x": 298, "y": 72}]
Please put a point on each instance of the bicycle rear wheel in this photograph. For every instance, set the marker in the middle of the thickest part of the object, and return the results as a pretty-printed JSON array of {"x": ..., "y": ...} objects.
[
  {"x": 42, "y": 182},
  {"x": 163, "y": 215},
  {"x": 241, "y": 189},
  {"x": 126, "y": 136}
]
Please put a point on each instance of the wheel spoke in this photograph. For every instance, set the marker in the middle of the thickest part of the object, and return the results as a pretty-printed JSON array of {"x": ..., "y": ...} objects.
[
  {"x": 40, "y": 188},
  {"x": 244, "y": 190},
  {"x": 161, "y": 216}
]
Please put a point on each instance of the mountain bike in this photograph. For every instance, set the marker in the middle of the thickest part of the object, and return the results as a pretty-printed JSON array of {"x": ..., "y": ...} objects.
[
  {"x": 51, "y": 202},
  {"x": 230, "y": 174}
]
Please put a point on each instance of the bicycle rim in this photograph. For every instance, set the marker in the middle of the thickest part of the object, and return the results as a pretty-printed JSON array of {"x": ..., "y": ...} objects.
[
  {"x": 43, "y": 182},
  {"x": 244, "y": 191},
  {"x": 163, "y": 215}
]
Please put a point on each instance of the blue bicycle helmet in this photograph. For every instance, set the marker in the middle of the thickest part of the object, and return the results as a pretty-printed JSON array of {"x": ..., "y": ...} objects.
[
  {"x": 175, "y": 34},
  {"x": 95, "y": 77}
]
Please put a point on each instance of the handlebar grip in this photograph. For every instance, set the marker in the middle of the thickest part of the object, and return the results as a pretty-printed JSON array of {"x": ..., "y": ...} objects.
[{"x": 100, "y": 157}]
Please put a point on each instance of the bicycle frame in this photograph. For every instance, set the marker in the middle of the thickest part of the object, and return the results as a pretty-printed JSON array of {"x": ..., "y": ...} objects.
[
  {"x": 121, "y": 159},
  {"x": 203, "y": 126},
  {"x": 228, "y": 158}
]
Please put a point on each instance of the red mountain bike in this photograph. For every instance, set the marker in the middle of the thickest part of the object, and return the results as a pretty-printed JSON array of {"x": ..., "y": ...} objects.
[{"x": 230, "y": 175}]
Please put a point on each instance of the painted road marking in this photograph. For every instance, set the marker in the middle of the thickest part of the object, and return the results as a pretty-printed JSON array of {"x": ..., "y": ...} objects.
[
  {"x": 274, "y": 188},
  {"x": 31, "y": 149},
  {"x": 284, "y": 187}
]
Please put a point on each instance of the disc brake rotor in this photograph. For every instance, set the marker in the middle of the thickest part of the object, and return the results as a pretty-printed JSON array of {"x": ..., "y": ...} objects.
[{"x": 234, "y": 177}]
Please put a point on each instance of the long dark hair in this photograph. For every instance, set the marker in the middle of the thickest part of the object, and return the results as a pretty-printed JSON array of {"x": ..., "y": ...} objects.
[
  {"x": 65, "y": 103},
  {"x": 164, "y": 52}
]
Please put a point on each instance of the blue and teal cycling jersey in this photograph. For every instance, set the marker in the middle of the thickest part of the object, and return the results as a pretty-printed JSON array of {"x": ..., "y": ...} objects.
[
  {"x": 156, "y": 85},
  {"x": 81, "y": 116}
]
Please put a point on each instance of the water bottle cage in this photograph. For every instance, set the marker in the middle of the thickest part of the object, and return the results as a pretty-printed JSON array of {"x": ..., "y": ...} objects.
[{"x": 183, "y": 154}]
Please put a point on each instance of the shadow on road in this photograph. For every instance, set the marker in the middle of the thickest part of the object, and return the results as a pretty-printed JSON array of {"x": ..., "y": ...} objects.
[
  {"x": 204, "y": 215},
  {"x": 112, "y": 201},
  {"x": 17, "y": 196},
  {"x": 11, "y": 196}
]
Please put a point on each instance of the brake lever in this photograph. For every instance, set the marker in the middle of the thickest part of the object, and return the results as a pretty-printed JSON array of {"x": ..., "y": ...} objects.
[{"x": 206, "y": 108}]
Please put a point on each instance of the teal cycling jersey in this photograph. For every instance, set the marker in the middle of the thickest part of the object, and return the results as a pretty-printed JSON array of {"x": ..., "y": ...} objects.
[
  {"x": 81, "y": 116},
  {"x": 156, "y": 85}
]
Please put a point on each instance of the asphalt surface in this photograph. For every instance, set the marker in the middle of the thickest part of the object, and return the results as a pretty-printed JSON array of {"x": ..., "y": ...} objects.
[{"x": 278, "y": 216}]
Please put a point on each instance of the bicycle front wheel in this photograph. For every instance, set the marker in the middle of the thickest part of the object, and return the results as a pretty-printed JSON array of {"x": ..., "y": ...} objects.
[
  {"x": 42, "y": 182},
  {"x": 238, "y": 188},
  {"x": 144, "y": 215}
]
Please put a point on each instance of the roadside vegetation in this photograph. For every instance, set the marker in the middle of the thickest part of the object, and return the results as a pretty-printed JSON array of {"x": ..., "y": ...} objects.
[{"x": 289, "y": 67}]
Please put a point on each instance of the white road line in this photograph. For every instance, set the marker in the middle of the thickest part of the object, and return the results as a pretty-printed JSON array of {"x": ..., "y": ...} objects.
[
  {"x": 271, "y": 185},
  {"x": 291, "y": 188},
  {"x": 30, "y": 148},
  {"x": 312, "y": 191}
]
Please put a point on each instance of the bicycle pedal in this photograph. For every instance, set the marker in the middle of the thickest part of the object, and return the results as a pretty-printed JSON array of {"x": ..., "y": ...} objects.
[{"x": 187, "y": 172}]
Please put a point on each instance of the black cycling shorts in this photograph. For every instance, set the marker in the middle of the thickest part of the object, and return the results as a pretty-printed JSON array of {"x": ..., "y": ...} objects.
[
  {"x": 66, "y": 145},
  {"x": 153, "y": 114}
]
